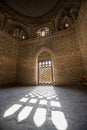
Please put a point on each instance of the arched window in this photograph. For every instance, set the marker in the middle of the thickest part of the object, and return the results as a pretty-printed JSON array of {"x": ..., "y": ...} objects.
[
  {"x": 45, "y": 68},
  {"x": 44, "y": 31}
]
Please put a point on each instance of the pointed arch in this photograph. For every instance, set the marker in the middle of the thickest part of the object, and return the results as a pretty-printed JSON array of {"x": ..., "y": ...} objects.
[
  {"x": 46, "y": 50},
  {"x": 50, "y": 52}
]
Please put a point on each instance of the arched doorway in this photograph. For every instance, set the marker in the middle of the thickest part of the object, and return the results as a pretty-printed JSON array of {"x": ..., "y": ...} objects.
[{"x": 45, "y": 70}]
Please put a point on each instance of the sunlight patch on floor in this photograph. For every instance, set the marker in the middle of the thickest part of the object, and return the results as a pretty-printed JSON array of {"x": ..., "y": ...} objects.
[
  {"x": 24, "y": 113},
  {"x": 26, "y": 95},
  {"x": 12, "y": 110},
  {"x": 48, "y": 97},
  {"x": 59, "y": 120},
  {"x": 33, "y": 101},
  {"x": 24, "y": 99},
  {"x": 55, "y": 104},
  {"x": 40, "y": 96},
  {"x": 43, "y": 102},
  {"x": 40, "y": 117},
  {"x": 40, "y": 99}
]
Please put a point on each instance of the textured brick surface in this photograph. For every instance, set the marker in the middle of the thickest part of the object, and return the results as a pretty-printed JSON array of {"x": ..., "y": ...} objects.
[
  {"x": 67, "y": 49},
  {"x": 65, "y": 53},
  {"x": 8, "y": 59},
  {"x": 82, "y": 31}
]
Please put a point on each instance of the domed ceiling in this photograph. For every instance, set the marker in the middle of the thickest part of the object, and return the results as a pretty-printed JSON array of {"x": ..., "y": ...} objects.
[{"x": 32, "y": 8}]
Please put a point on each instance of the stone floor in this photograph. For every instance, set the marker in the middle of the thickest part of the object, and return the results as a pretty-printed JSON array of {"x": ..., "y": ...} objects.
[{"x": 43, "y": 108}]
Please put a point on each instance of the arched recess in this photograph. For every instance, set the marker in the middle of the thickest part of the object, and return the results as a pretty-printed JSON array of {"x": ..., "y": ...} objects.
[
  {"x": 44, "y": 55},
  {"x": 43, "y": 32},
  {"x": 18, "y": 31}
]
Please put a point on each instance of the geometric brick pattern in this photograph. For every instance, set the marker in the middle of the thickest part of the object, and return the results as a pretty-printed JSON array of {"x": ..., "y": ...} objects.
[{"x": 64, "y": 50}]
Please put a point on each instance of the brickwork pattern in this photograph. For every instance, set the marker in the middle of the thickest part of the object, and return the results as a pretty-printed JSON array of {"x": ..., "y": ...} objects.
[
  {"x": 82, "y": 31},
  {"x": 8, "y": 59},
  {"x": 67, "y": 61}
]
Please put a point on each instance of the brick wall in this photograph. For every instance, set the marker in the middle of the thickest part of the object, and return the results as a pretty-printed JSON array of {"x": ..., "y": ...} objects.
[
  {"x": 82, "y": 32},
  {"x": 67, "y": 48},
  {"x": 65, "y": 53},
  {"x": 8, "y": 58}
]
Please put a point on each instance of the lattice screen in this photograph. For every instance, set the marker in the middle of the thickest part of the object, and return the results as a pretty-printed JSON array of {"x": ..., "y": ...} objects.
[{"x": 45, "y": 72}]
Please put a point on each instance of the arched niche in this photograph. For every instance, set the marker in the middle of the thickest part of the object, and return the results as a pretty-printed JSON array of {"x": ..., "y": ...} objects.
[
  {"x": 18, "y": 32},
  {"x": 46, "y": 57}
]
